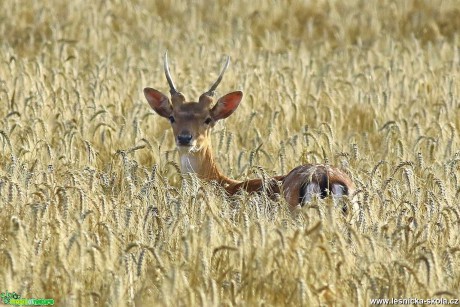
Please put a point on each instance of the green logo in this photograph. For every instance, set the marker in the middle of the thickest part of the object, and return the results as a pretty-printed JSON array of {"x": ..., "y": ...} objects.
[
  {"x": 15, "y": 299},
  {"x": 6, "y": 297}
]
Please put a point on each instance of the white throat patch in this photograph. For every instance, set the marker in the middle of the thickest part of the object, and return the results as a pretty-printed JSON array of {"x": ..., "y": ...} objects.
[{"x": 188, "y": 163}]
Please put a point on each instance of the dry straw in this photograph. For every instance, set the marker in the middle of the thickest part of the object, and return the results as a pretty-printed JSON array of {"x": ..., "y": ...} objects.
[{"x": 96, "y": 212}]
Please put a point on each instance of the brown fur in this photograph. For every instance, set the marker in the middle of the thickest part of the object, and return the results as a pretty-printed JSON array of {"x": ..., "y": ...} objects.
[
  {"x": 325, "y": 176},
  {"x": 256, "y": 185}
]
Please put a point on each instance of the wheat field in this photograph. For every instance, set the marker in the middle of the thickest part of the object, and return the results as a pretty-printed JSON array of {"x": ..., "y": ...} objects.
[{"x": 95, "y": 210}]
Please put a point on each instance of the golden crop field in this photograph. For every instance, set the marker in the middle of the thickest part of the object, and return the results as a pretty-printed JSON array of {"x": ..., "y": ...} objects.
[{"x": 95, "y": 211}]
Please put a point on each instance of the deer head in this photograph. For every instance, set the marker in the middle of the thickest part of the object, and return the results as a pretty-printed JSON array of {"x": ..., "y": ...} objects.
[{"x": 192, "y": 121}]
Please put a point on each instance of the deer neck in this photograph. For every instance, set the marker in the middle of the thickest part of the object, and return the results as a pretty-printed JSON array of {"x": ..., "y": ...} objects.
[{"x": 202, "y": 163}]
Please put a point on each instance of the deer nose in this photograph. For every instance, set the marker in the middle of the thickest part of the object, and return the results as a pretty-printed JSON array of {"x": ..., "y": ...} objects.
[{"x": 184, "y": 138}]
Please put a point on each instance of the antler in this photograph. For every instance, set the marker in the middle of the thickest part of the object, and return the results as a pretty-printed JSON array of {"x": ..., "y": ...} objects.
[
  {"x": 172, "y": 87},
  {"x": 176, "y": 96},
  {"x": 211, "y": 92}
]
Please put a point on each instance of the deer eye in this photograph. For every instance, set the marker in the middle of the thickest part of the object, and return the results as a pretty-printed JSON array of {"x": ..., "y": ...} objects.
[
  {"x": 171, "y": 119},
  {"x": 208, "y": 121}
]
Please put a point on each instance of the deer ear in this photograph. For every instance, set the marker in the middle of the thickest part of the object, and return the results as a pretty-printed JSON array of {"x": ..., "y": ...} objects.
[
  {"x": 226, "y": 105},
  {"x": 158, "y": 101}
]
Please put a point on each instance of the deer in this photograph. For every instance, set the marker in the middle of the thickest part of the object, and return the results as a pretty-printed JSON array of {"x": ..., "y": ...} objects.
[{"x": 192, "y": 123}]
